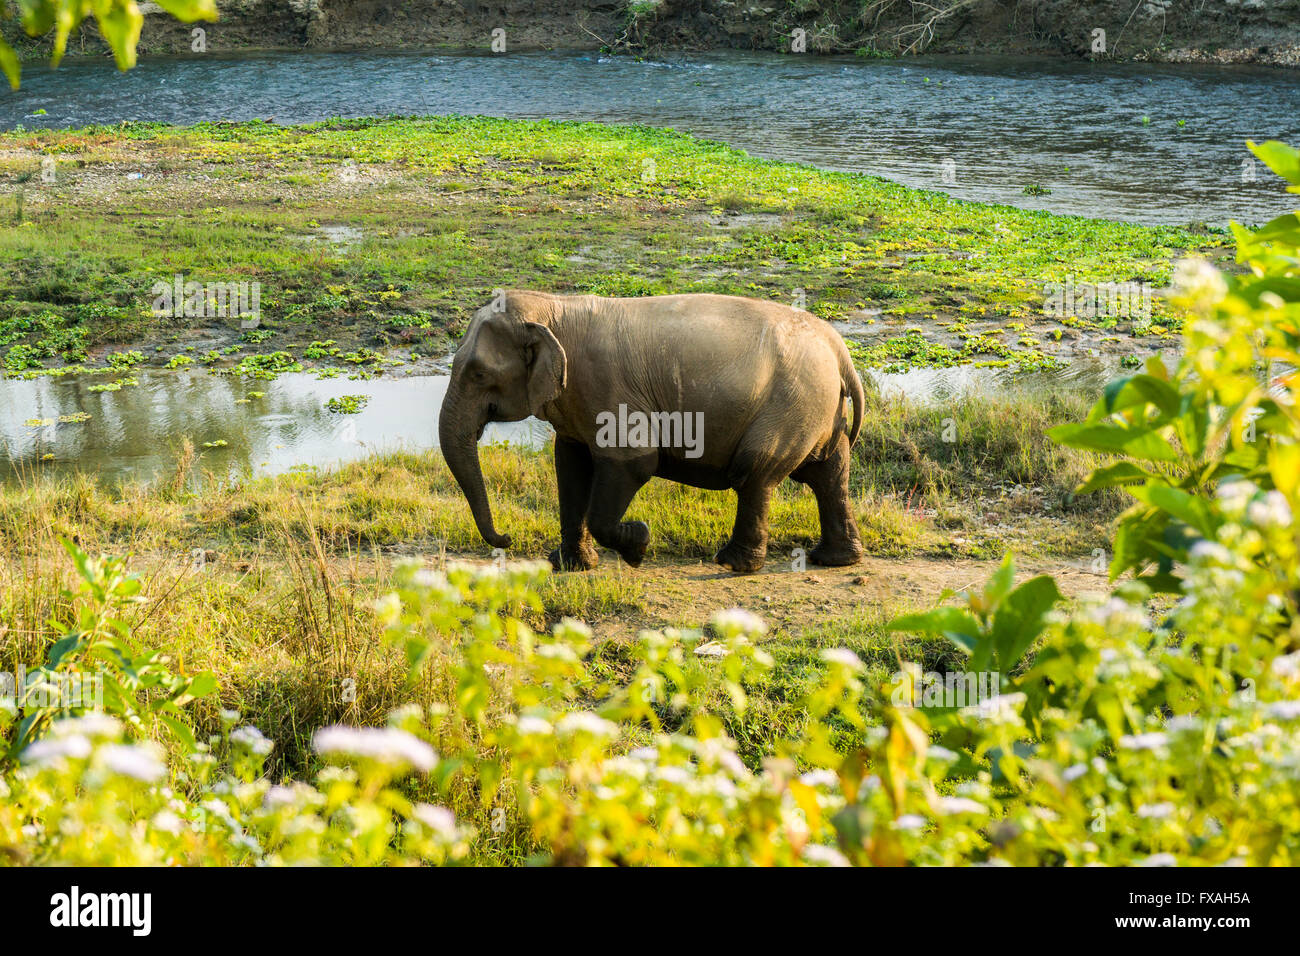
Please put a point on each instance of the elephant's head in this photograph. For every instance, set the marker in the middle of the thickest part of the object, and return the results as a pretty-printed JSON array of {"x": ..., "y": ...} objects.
[{"x": 507, "y": 367}]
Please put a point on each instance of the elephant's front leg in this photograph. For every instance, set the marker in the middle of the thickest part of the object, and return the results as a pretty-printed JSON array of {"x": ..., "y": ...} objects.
[
  {"x": 573, "y": 472},
  {"x": 614, "y": 484},
  {"x": 747, "y": 549}
]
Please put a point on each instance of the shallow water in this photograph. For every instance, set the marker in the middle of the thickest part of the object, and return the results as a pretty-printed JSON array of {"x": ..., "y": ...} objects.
[
  {"x": 1104, "y": 138},
  {"x": 134, "y": 433}
]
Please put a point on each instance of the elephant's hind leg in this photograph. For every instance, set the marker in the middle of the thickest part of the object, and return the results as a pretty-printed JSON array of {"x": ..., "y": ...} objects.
[
  {"x": 573, "y": 474},
  {"x": 829, "y": 481},
  {"x": 747, "y": 549},
  {"x": 614, "y": 485}
]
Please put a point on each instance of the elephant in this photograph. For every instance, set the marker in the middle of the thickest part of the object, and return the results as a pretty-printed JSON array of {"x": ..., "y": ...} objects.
[{"x": 748, "y": 392}]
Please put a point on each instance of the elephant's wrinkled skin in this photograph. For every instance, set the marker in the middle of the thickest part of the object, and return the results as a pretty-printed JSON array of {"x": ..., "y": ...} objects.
[{"x": 769, "y": 383}]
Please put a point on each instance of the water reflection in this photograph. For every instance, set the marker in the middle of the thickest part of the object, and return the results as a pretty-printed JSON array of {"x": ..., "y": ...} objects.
[
  {"x": 239, "y": 425},
  {"x": 246, "y": 426}
]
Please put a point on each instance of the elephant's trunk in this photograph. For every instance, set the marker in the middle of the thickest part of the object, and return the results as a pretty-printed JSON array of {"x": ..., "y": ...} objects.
[{"x": 458, "y": 436}]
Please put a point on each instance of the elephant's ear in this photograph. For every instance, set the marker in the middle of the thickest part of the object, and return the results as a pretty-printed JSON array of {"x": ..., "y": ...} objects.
[{"x": 548, "y": 366}]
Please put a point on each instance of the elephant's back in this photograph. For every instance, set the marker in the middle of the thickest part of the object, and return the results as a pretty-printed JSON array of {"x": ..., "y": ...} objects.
[{"x": 733, "y": 354}]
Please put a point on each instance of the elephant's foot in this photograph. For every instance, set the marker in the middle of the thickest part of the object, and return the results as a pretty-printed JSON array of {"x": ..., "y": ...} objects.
[
  {"x": 634, "y": 537},
  {"x": 739, "y": 559},
  {"x": 583, "y": 557},
  {"x": 836, "y": 555}
]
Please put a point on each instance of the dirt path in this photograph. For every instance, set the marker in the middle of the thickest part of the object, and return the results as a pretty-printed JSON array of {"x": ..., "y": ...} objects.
[{"x": 685, "y": 593}]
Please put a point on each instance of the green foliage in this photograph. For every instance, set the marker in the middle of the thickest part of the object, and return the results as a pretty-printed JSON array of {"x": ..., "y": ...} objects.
[
  {"x": 998, "y": 625},
  {"x": 347, "y": 404},
  {"x": 119, "y": 22},
  {"x": 94, "y": 654},
  {"x": 1222, "y": 420}
]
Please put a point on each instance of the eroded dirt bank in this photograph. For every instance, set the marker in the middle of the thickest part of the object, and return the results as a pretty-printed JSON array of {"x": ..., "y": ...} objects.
[{"x": 1226, "y": 31}]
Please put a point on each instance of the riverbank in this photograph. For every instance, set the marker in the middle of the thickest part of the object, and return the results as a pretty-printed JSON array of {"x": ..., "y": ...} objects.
[
  {"x": 371, "y": 241},
  {"x": 1218, "y": 31},
  {"x": 270, "y": 582}
]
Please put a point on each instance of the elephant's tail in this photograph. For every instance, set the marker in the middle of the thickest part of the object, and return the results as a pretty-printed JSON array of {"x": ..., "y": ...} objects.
[{"x": 852, "y": 388}]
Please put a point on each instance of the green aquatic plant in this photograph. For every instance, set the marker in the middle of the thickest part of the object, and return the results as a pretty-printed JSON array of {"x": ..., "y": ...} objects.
[{"x": 347, "y": 404}]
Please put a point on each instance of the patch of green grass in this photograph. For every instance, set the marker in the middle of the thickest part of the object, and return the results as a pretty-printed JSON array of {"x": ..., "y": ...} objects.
[{"x": 453, "y": 207}]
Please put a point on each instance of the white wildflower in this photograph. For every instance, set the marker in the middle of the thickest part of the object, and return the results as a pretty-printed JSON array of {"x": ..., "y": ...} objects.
[
  {"x": 951, "y": 806},
  {"x": 54, "y": 750},
  {"x": 820, "y": 778},
  {"x": 438, "y": 819},
  {"x": 94, "y": 726},
  {"x": 677, "y": 774},
  {"x": 1211, "y": 552},
  {"x": 279, "y": 797},
  {"x": 737, "y": 621},
  {"x": 1286, "y": 666},
  {"x": 1159, "y": 859},
  {"x": 251, "y": 739},
  {"x": 167, "y": 822},
  {"x": 387, "y": 745},
  {"x": 1271, "y": 511},
  {"x": 1199, "y": 282},
  {"x": 1150, "y": 741},
  {"x": 1183, "y": 724},
  {"x": 818, "y": 854},
  {"x": 587, "y": 722},
  {"x": 534, "y": 726},
  {"x": 1002, "y": 709},
  {"x": 1285, "y": 710},
  {"x": 842, "y": 656},
  {"x": 138, "y": 762}
]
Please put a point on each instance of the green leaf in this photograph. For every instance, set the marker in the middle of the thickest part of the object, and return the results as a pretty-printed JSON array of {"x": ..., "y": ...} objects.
[
  {"x": 64, "y": 646},
  {"x": 1112, "y": 476},
  {"x": 180, "y": 730},
  {"x": 1177, "y": 503},
  {"x": 37, "y": 16},
  {"x": 1140, "y": 390},
  {"x": 9, "y": 63},
  {"x": 1001, "y": 581},
  {"x": 1019, "y": 619},
  {"x": 190, "y": 10},
  {"x": 1279, "y": 157},
  {"x": 202, "y": 685},
  {"x": 953, "y": 623},
  {"x": 120, "y": 24},
  {"x": 1142, "y": 443}
]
